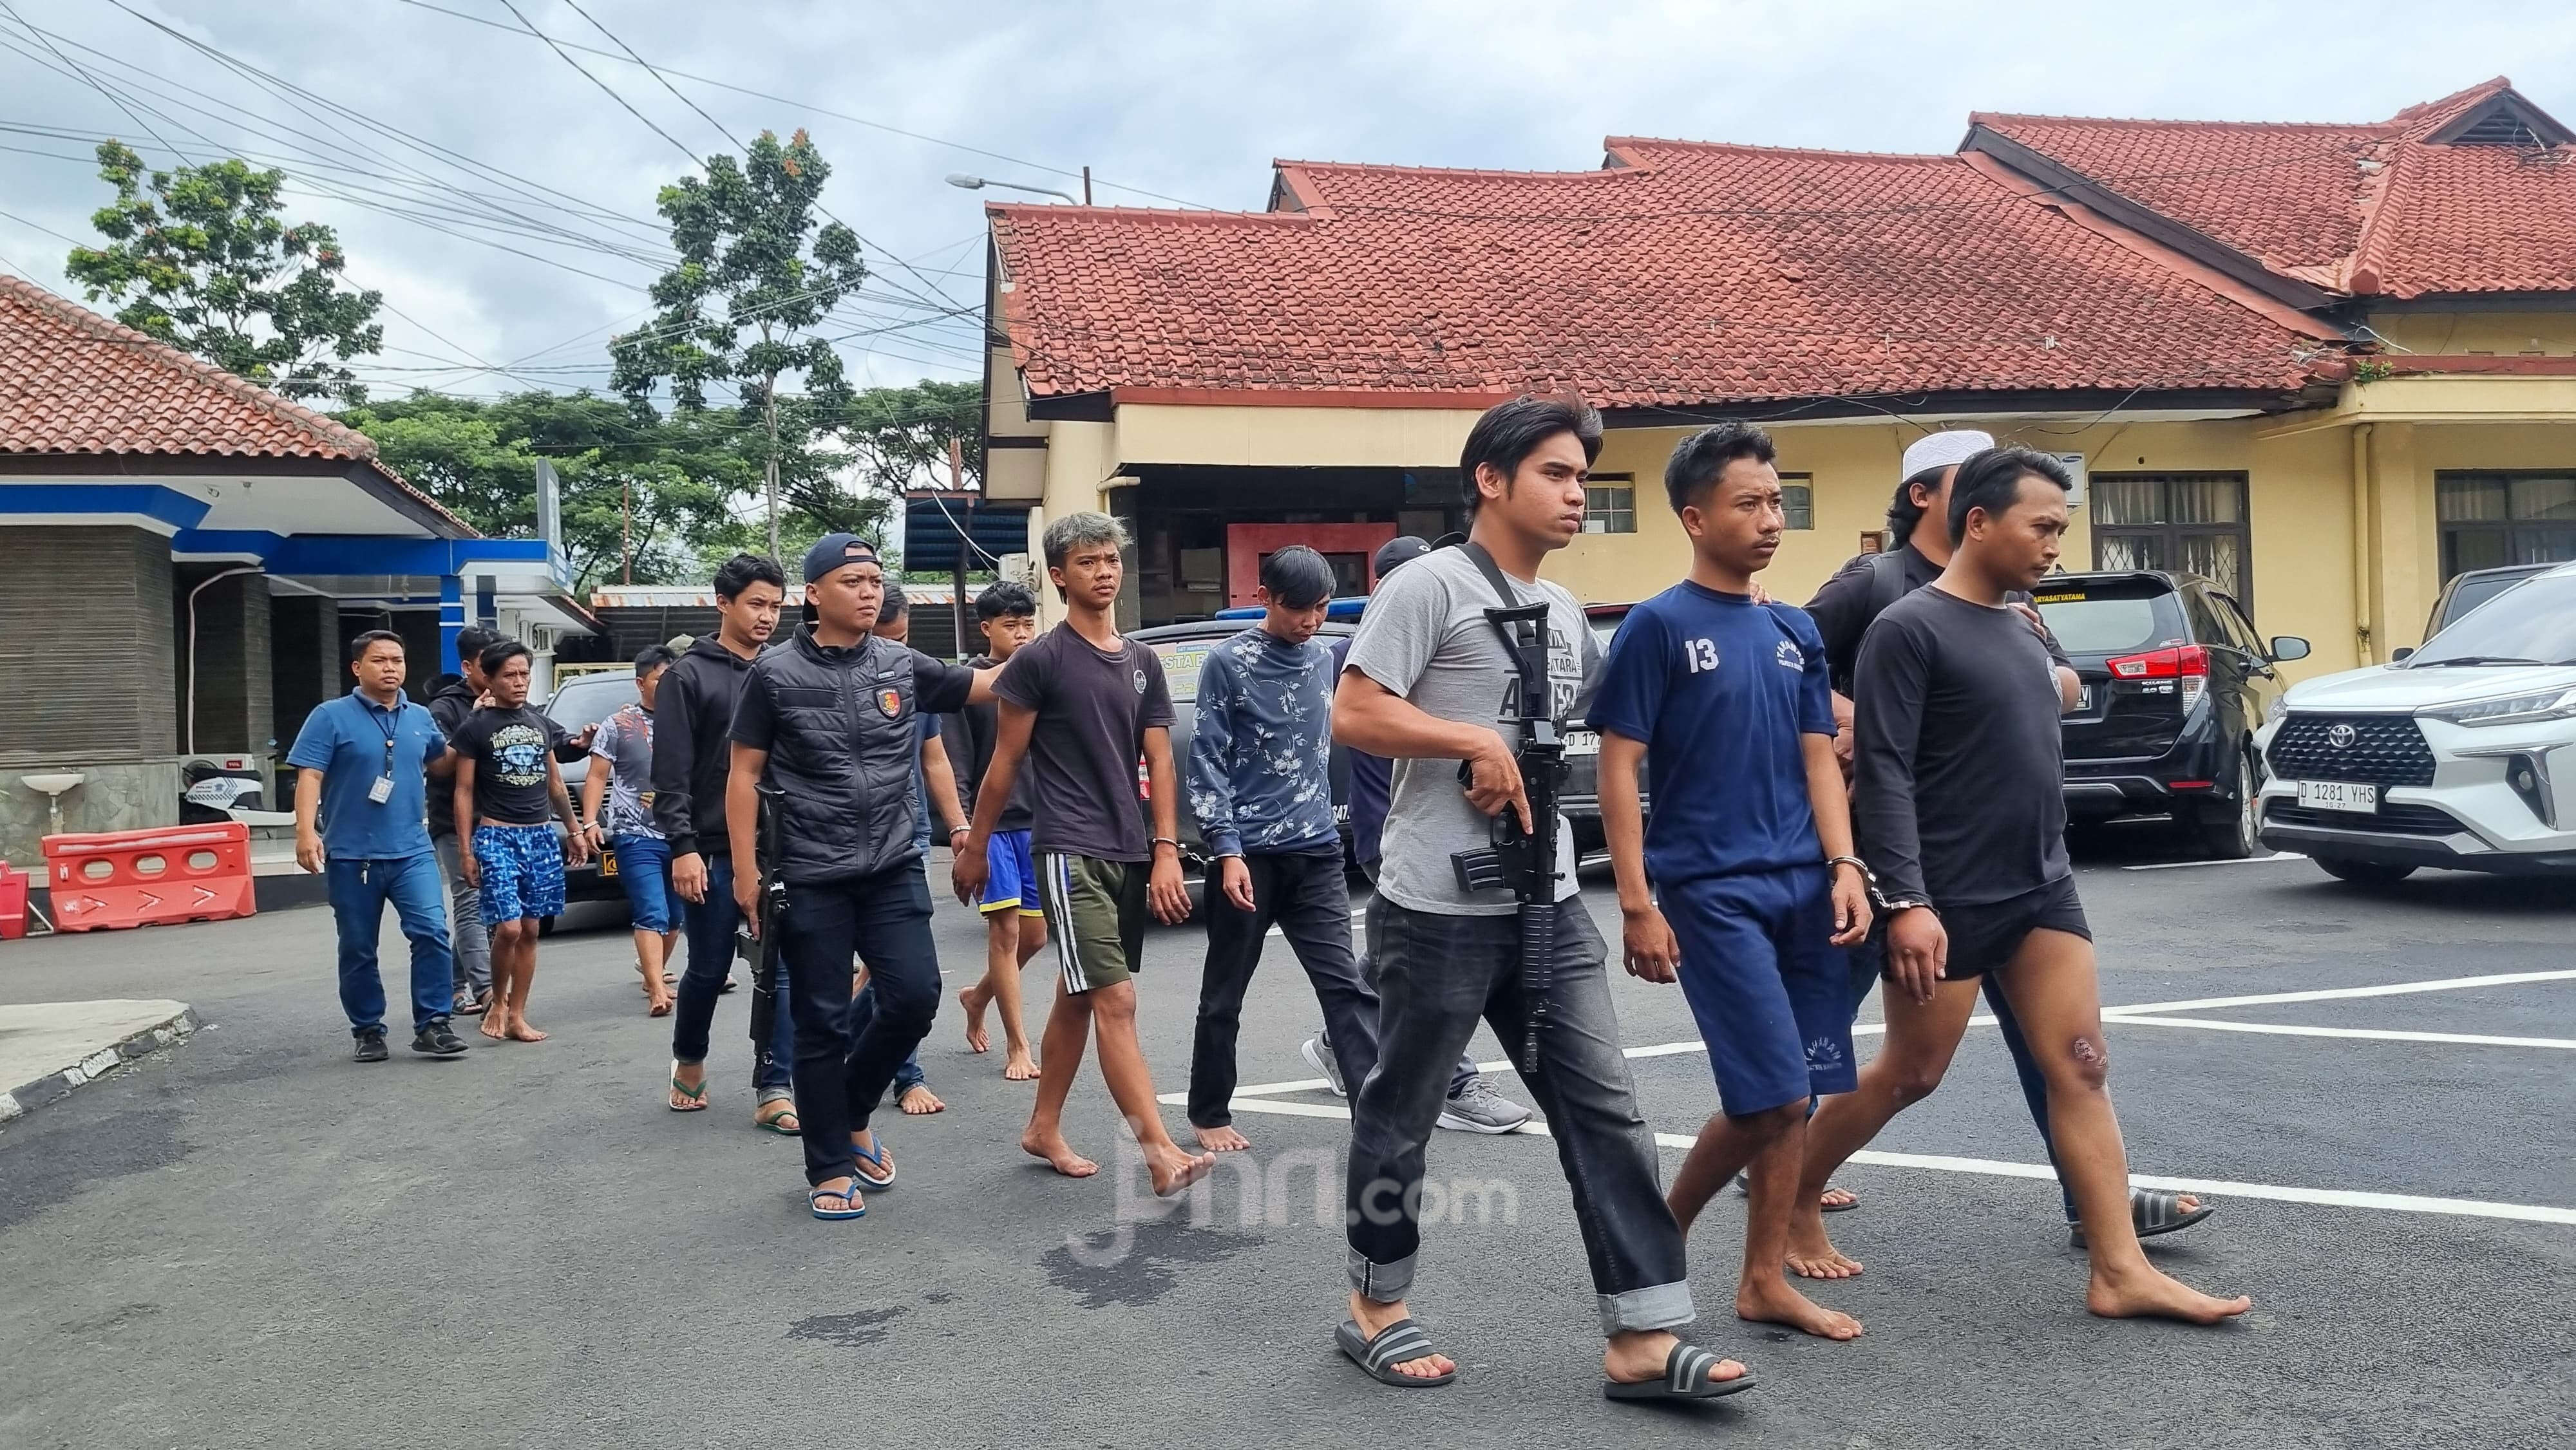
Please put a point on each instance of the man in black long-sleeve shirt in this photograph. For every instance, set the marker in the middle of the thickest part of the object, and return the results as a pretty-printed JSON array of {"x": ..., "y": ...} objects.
[
  {"x": 692, "y": 752},
  {"x": 1958, "y": 812}
]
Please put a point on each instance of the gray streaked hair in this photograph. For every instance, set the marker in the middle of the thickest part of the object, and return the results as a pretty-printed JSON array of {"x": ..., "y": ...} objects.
[{"x": 1080, "y": 530}]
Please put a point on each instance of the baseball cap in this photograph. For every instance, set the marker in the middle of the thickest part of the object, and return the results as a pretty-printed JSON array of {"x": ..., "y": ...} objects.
[
  {"x": 1941, "y": 450},
  {"x": 833, "y": 551},
  {"x": 1402, "y": 549}
]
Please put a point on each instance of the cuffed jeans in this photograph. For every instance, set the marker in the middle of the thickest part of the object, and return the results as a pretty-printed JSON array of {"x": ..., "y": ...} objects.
[
  {"x": 359, "y": 891},
  {"x": 1466, "y": 1071},
  {"x": 1303, "y": 891},
  {"x": 843, "y": 1067},
  {"x": 465, "y": 913},
  {"x": 1435, "y": 976},
  {"x": 710, "y": 925}
]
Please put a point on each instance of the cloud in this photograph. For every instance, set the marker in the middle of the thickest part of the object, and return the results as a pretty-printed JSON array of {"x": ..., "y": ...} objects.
[{"x": 1187, "y": 101}]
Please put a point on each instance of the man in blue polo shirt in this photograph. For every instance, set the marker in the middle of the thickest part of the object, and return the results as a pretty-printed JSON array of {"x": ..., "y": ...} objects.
[
  {"x": 1748, "y": 852},
  {"x": 361, "y": 816}
]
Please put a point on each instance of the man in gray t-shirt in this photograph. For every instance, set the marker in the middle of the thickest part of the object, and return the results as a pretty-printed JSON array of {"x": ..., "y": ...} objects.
[{"x": 1427, "y": 685}]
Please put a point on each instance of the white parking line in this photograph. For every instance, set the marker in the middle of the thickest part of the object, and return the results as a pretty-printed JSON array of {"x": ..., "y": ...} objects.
[
  {"x": 1996, "y": 1168},
  {"x": 2245, "y": 861},
  {"x": 2280, "y": 1029},
  {"x": 2334, "y": 994}
]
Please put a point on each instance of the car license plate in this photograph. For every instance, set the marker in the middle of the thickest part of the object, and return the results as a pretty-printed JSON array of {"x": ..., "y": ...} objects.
[
  {"x": 2338, "y": 795},
  {"x": 1582, "y": 742},
  {"x": 608, "y": 863}
]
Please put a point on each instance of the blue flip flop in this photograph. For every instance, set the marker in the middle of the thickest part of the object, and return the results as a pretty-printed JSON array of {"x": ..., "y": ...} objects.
[
  {"x": 814, "y": 1201},
  {"x": 863, "y": 1159}
]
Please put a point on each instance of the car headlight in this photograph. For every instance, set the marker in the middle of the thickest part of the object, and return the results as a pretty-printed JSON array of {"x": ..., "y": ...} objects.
[
  {"x": 2280, "y": 707},
  {"x": 2512, "y": 710}
]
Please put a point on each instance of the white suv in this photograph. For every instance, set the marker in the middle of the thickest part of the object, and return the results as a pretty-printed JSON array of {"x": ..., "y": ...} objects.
[{"x": 2462, "y": 754}]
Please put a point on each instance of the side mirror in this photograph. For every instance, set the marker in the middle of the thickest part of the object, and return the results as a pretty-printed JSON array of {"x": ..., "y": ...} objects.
[
  {"x": 2289, "y": 647},
  {"x": 2401, "y": 653}
]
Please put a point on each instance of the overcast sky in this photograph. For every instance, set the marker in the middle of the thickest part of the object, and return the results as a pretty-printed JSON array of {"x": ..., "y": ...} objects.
[{"x": 1168, "y": 103}]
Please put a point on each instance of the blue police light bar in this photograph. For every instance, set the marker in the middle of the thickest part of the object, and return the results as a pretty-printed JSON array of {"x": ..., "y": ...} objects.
[{"x": 1342, "y": 609}]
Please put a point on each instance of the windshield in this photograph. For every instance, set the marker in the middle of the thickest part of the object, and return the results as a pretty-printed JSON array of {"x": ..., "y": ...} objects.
[
  {"x": 2474, "y": 592},
  {"x": 2536, "y": 622},
  {"x": 2113, "y": 617},
  {"x": 590, "y": 700}
]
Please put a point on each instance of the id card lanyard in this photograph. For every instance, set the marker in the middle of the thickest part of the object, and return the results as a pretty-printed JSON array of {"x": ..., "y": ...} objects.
[{"x": 383, "y": 788}]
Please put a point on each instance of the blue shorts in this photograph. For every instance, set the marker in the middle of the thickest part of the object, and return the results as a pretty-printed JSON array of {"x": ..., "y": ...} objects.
[
  {"x": 1011, "y": 875},
  {"x": 523, "y": 872},
  {"x": 644, "y": 869},
  {"x": 1770, "y": 990}
]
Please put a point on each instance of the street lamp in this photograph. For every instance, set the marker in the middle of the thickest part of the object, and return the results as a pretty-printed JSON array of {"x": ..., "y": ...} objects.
[{"x": 977, "y": 183}]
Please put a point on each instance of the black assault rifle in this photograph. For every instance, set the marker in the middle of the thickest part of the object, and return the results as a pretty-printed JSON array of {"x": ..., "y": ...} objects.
[
  {"x": 1524, "y": 861},
  {"x": 768, "y": 964}
]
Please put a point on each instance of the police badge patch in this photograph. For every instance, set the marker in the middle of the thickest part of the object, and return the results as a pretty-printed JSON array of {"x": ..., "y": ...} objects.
[{"x": 889, "y": 703}]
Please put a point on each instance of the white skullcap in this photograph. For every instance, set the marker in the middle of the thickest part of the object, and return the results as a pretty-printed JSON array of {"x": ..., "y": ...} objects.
[{"x": 1941, "y": 450}]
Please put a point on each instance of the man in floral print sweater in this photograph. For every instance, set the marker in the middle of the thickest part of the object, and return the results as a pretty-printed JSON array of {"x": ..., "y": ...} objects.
[{"x": 1260, "y": 787}]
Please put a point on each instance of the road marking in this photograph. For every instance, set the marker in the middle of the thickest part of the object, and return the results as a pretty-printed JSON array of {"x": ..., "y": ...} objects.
[
  {"x": 2331, "y": 994},
  {"x": 2244, "y": 861},
  {"x": 1995, "y": 1168},
  {"x": 2372, "y": 1033}
]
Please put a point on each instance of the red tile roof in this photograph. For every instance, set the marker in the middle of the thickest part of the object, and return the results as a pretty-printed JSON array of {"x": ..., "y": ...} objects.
[
  {"x": 2377, "y": 208},
  {"x": 1682, "y": 274},
  {"x": 74, "y": 382}
]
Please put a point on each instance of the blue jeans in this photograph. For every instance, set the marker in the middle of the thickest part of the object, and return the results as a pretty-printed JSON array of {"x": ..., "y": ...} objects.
[
  {"x": 907, "y": 1074},
  {"x": 644, "y": 869},
  {"x": 710, "y": 925},
  {"x": 359, "y": 891}
]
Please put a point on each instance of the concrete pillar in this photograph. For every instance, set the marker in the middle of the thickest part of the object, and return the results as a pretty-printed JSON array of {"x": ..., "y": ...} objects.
[
  {"x": 231, "y": 669},
  {"x": 451, "y": 622},
  {"x": 2404, "y": 556},
  {"x": 86, "y": 611}
]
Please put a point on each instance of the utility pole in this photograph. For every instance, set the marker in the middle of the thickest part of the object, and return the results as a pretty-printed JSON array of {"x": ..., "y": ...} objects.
[
  {"x": 626, "y": 530},
  {"x": 957, "y": 597},
  {"x": 1086, "y": 186},
  {"x": 769, "y": 406}
]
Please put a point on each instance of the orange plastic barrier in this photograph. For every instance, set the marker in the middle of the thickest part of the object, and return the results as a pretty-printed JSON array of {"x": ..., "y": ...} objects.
[
  {"x": 13, "y": 902},
  {"x": 109, "y": 879}
]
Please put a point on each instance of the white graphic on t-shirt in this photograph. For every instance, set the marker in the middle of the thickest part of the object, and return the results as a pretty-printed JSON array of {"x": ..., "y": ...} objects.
[
  {"x": 1789, "y": 656},
  {"x": 1701, "y": 654},
  {"x": 520, "y": 753}
]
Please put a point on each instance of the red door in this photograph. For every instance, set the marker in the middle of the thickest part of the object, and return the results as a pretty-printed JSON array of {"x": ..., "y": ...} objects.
[{"x": 1350, "y": 548}]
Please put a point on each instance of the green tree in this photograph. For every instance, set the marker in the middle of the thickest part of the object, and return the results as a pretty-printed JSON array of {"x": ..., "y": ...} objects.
[
  {"x": 643, "y": 498},
  {"x": 756, "y": 273},
  {"x": 198, "y": 258}
]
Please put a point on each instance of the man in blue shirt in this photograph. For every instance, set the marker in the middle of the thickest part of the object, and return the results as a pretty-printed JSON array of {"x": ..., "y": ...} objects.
[
  {"x": 361, "y": 816},
  {"x": 1742, "y": 883}
]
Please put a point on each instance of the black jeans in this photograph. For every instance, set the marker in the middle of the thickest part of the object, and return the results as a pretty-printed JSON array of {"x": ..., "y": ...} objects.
[
  {"x": 1435, "y": 976},
  {"x": 710, "y": 926},
  {"x": 842, "y": 1069},
  {"x": 1303, "y": 891},
  {"x": 1466, "y": 1072}
]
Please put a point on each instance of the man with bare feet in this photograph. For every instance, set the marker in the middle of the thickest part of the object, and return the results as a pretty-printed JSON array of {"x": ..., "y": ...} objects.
[
  {"x": 1431, "y": 684},
  {"x": 510, "y": 790},
  {"x": 1014, "y": 923},
  {"x": 1260, "y": 783},
  {"x": 692, "y": 758},
  {"x": 1742, "y": 882},
  {"x": 1958, "y": 811},
  {"x": 1082, "y": 702},
  {"x": 828, "y": 729}
]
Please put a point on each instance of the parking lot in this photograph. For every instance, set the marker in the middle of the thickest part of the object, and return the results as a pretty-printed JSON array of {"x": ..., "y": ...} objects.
[{"x": 250, "y": 1241}]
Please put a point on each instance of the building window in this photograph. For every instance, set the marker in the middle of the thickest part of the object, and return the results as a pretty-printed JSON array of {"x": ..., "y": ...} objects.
[
  {"x": 2489, "y": 519},
  {"x": 2184, "y": 523},
  {"x": 1798, "y": 500},
  {"x": 1610, "y": 504}
]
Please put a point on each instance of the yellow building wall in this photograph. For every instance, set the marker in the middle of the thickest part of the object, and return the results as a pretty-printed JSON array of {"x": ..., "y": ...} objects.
[{"x": 2503, "y": 334}]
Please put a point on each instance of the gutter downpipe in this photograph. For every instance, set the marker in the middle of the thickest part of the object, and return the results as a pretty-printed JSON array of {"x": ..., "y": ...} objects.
[{"x": 2364, "y": 582}]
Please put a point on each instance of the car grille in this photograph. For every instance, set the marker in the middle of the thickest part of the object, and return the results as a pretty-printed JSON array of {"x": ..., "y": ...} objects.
[
  {"x": 2381, "y": 750},
  {"x": 2392, "y": 818}
]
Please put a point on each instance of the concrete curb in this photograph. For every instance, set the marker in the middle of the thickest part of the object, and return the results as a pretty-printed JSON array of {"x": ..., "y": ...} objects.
[{"x": 19, "y": 1100}]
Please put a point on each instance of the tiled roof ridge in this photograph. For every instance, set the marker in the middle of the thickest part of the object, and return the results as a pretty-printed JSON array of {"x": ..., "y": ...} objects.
[
  {"x": 2415, "y": 117},
  {"x": 1740, "y": 148},
  {"x": 1167, "y": 215},
  {"x": 2001, "y": 118},
  {"x": 1469, "y": 173},
  {"x": 338, "y": 439}
]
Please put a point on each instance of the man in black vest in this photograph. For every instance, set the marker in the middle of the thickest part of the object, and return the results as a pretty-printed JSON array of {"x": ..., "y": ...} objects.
[{"x": 828, "y": 721}]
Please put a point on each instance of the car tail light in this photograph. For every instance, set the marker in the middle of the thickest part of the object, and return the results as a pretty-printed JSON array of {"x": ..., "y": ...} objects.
[{"x": 2188, "y": 663}]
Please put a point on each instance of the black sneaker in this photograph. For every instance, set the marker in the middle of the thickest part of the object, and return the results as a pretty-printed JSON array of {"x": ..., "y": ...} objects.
[
  {"x": 436, "y": 1040},
  {"x": 371, "y": 1046}
]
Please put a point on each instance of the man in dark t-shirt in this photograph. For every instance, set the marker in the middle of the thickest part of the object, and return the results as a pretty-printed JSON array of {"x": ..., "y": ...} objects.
[
  {"x": 1959, "y": 815},
  {"x": 1082, "y": 703},
  {"x": 1014, "y": 923},
  {"x": 508, "y": 791}
]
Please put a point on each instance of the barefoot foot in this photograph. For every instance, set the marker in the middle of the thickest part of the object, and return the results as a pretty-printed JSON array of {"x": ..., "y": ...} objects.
[
  {"x": 1373, "y": 1317},
  {"x": 1173, "y": 1170},
  {"x": 1059, "y": 1154},
  {"x": 1222, "y": 1140},
  {"x": 494, "y": 1025},
  {"x": 520, "y": 1031},
  {"x": 1776, "y": 1303},
  {"x": 1813, "y": 1256},
  {"x": 1021, "y": 1067},
  {"x": 974, "y": 999},
  {"x": 920, "y": 1102},
  {"x": 2147, "y": 1294}
]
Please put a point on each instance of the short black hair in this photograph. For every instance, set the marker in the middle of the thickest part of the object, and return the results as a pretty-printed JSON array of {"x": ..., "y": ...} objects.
[
  {"x": 744, "y": 570},
  {"x": 652, "y": 657},
  {"x": 895, "y": 605},
  {"x": 472, "y": 640},
  {"x": 1510, "y": 432},
  {"x": 1903, "y": 513},
  {"x": 501, "y": 654},
  {"x": 1297, "y": 577},
  {"x": 358, "y": 647},
  {"x": 1003, "y": 600},
  {"x": 1701, "y": 458},
  {"x": 1992, "y": 479}
]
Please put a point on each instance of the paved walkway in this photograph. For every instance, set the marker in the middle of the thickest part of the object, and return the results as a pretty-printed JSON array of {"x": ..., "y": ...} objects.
[{"x": 49, "y": 1048}]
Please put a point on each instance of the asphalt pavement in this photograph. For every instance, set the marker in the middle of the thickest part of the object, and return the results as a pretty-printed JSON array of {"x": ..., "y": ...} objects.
[{"x": 247, "y": 1240}]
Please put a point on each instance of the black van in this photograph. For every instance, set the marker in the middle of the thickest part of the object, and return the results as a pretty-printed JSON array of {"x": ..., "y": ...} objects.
[{"x": 2175, "y": 682}]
